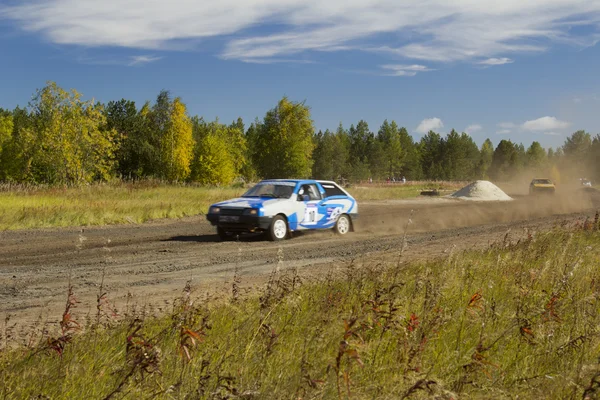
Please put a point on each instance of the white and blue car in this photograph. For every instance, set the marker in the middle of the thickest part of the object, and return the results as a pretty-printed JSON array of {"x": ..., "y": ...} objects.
[{"x": 281, "y": 206}]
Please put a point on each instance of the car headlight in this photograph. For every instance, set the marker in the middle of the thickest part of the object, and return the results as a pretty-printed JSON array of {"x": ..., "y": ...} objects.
[
  {"x": 214, "y": 210},
  {"x": 251, "y": 211}
]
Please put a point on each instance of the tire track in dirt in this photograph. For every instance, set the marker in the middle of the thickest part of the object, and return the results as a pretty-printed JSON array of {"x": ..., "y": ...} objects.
[{"x": 150, "y": 263}]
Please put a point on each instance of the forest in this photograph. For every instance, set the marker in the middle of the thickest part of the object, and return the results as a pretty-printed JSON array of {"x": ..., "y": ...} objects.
[{"x": 60, "y": 138}]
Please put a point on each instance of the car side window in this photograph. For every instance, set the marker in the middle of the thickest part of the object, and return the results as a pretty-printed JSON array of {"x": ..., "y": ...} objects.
[
  {"x": 332, "y": 190},
  {"x": 312, "y": 191}
]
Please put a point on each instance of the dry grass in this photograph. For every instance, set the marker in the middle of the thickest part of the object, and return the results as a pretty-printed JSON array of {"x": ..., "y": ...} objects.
[
  {"x": 517, "y": 320},
  {"x": 40, "y": 207},
  {"x": 24, "y": 207},
  {"x": 390, "y": 191}
]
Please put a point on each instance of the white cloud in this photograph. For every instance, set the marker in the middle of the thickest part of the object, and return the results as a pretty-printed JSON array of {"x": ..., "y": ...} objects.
[
  {"x": 506, "y": 125},
  {"x": 429, "y": 124},
  {"x": 404, "y": 70},
  {"x": 434, "y": 30},
  {"x": 503, "y": 132},
  {"x": 545, "y": 124},
  {"x": 496, "y": 61},
  {"x": 473, "y": 128},
  {"x": 144, "y": 59}
]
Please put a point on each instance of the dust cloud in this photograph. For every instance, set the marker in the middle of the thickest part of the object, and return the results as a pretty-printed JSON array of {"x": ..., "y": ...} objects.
[{"x": 425, "y": 215}]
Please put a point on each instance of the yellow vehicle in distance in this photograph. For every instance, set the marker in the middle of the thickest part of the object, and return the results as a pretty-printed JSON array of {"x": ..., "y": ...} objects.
[{"x": 541, "y": 186}]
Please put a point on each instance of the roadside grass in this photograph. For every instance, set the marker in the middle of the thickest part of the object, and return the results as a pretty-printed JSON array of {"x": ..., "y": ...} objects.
[
  {"x": 516, "y": 320},
  {"x": 39, "y": 207},
  {"x": 391, "y": 191},
  {"x": 25, "y": 207}
]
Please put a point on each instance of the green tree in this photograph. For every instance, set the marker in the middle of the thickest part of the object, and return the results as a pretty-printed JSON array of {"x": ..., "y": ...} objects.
[
  {"x": 322, "y": 155},
  {"x": 331, "y": 155},
  {"x": 577, "y": 152},
  {"x": 486, "y": 156},
  {"x": 460, "y": 156},
  {"x": 238, "y": 147},
  {"x": 65, "y": 142},
  {"x": 130, "y": 139},
  {"x": 360, "y": 139},
  {"x": 431, "y": 147},
  {"x": 284, "y": 146},
  {"x": 411, "y": 168},
  {"x": 503, "y": 161},
  {"x": 536, "y": 157},
  {"x": 239, "y": 124},
  {"x": 392, "y": 151},
  {"x": 250, "y": 170},
  {"x": 520, "y": 158}
]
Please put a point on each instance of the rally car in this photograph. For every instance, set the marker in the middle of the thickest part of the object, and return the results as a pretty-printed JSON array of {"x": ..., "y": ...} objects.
[
  {"x": 540, "y": 186},
  {"x": 281, "y": 206}
]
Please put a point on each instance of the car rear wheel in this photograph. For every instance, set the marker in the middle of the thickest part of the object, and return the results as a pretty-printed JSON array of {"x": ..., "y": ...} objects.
[
  {"x": 342, "y": 225},
  {"x": 278, "y": 229}
]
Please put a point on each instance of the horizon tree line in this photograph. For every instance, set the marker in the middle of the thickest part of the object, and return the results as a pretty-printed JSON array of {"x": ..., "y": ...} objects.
[{"x": 61, "y": 139}]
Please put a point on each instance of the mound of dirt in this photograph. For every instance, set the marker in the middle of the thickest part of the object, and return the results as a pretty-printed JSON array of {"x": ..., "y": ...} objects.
[{"x": 481, "y": 191}]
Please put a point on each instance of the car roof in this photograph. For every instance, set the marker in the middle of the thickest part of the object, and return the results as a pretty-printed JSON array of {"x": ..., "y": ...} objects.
[
  {"x": 297, "y": 181},
  {"x": 285, "y": 180}
]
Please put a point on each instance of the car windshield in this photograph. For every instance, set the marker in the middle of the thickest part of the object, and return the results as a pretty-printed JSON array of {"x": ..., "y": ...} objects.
[
  {"x": 543, "y": 181},
  {"x": 275, "y": 190}
]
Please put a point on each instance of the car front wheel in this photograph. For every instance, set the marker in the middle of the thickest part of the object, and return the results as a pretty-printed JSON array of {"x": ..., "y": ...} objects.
[
  {"x": 342, "y": 225},
  {"x": 278, "y": 229}
]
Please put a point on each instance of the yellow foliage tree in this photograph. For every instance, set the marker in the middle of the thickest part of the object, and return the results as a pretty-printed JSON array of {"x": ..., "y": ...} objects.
[
  {"x": 214, "y": 163},
  {"x": 6, "y": 128},
  {"x": 178, "y": 144},
  {"x": 66, "y": 142}
]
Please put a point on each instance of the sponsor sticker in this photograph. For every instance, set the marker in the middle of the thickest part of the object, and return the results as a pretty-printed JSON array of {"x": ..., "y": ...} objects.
[{"x": 333, "y": 212}]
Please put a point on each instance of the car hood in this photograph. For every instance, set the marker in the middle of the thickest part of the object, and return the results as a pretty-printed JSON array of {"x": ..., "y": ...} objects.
[
  {"x": 543, "y": 185},
  {"x": 248, "y": 202}
]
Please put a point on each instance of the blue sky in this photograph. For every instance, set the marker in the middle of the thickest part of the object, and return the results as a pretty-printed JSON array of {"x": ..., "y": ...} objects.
[{"x": 522, "y": 70}]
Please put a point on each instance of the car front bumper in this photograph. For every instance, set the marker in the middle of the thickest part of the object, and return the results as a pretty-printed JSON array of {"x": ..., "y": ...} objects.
[
  {"x": 240, "y": 223},
  {"x": 542, "y": 190}
]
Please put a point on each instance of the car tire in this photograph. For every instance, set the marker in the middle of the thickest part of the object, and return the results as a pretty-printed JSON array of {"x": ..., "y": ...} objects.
[
  {"x": 342, "y": 225},
  {"x": 278, "y": 230},
  {"x": 223, "y": 235}
]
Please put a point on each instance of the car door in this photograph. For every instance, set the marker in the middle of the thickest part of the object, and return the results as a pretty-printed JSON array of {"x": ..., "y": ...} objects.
[{"x": 309, "y": 199}]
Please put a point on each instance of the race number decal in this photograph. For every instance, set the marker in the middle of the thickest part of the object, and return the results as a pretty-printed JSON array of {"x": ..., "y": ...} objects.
[{"x": 310, "y": 215}]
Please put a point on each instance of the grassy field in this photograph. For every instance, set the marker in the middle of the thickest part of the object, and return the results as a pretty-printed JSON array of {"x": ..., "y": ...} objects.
[
  {"x": 401, "y": 191},
  {"x": 39, "y": 207},
  {"x": 519, "y": 320}
]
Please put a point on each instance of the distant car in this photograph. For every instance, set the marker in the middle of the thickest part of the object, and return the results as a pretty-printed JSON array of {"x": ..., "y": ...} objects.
[
  {"x": 586, "y": 182},
  {"x": 280, "y": 206},
  {"x": 541, "y": 186}
]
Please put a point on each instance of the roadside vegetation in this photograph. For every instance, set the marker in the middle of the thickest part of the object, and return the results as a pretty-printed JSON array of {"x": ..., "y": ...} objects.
[
  {"x": 24, "y": 207},
  {"x": 520, "y": 319},
  {"x": 34, "y": 206}
]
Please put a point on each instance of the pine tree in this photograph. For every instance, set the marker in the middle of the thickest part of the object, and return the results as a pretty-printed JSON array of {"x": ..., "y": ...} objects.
[{"x": 485, "y": 160}]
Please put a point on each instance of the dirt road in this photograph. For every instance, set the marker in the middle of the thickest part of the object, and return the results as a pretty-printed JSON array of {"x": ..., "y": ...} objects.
[{"x": 151, "y": 263}]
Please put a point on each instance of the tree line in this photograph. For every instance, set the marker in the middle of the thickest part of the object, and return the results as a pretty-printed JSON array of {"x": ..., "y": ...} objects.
[{"x": 59, "y": 138}]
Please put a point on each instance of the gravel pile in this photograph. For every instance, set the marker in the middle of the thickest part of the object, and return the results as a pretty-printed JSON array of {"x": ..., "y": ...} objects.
[{"x": 481, "y": 191}]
